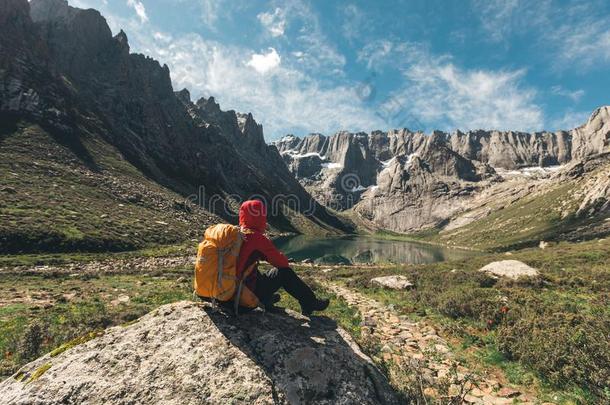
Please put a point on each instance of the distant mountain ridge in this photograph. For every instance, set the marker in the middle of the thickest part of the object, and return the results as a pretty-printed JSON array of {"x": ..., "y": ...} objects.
[{"x": 410, "y": 181}]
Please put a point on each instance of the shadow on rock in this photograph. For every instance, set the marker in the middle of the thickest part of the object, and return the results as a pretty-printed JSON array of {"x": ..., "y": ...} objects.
[
  {"x": 308, "y": 361},
  {"x": 189, "y": 353}
]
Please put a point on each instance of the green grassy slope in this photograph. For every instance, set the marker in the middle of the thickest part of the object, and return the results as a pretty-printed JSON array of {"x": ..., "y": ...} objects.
[
  {"x": 80, "y": 195},
  {"x": 546, "y": 215}
]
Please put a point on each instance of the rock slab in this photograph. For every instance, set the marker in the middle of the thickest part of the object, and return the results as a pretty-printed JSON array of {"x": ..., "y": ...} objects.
[
  {"x": 509, "y": 268},
  {"x": 392, "y": 282},
  {"x": 189, "y": 353}
]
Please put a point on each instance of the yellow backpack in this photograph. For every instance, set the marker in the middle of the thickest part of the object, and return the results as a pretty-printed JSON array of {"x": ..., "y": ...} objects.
[{"x": 216, "y": 267}]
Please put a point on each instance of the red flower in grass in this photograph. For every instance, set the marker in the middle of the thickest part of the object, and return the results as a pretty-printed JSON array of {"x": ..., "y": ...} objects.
[{"x": 504, "y": 309}]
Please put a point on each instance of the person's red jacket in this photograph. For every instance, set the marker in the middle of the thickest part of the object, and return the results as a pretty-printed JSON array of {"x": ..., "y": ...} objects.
[{"x": 256, "y": 246}]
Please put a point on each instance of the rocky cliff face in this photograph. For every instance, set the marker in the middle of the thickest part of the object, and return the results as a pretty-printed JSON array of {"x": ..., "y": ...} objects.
[
  {"x": 186, "y": 353},
  {"x": 62, "y": 68},
  {"x": 406, "y": 181}
]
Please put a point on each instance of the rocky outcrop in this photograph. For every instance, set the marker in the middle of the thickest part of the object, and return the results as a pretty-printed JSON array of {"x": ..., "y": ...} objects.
[
  {"x": 594, "y": 136},
  {"x": 407, "y": 181},
  {"x": 392, "y": 282},
  {"x": 61, "y": 68},
  {"x": 510, "y": 269},
  {"x": 187, "y": 353}
]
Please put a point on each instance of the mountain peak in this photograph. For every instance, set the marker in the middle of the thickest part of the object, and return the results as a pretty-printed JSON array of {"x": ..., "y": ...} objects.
[
  {"x": 122, "y": 40},
  {"x": 184, "y": 95}
]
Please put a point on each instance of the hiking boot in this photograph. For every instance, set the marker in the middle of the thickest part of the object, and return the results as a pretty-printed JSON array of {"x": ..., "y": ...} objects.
[{"x": 317, "y": 305}]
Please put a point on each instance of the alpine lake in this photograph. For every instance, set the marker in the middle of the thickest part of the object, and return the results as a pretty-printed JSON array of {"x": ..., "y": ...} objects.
[{"x": 365, "y": 250}]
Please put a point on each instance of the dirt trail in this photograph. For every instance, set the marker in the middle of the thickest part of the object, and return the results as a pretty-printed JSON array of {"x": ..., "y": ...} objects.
[
  {"x": 131, "y": 265},
  {"x": 407, "y": 346}
]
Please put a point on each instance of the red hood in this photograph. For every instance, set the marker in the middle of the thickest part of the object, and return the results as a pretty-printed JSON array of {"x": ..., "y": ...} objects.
[{"x": 253, "y": 215}]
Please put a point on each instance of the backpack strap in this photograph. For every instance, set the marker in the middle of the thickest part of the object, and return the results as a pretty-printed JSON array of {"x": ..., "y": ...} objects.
[{"x": 241, "y": 285}]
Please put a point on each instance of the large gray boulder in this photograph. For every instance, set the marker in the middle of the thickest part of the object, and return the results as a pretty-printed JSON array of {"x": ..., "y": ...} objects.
[{"x": 189, "y": 353}]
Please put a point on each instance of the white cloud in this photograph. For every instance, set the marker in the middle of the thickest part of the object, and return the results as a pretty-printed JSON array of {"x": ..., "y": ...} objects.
[
  {"x": 162, "y": 37},
  {"x": 274, "y": 22},
  {"x": 289, "y": 100},
  {"x": 574, "y": 95},
  {"x": 293, "y": 95},
  {"x": 439, "y": 94},
  {"x": 263, "y": 63},
  {"x": 139, "y": 8}
]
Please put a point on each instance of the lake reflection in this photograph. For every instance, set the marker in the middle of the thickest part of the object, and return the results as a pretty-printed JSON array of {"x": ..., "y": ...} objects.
[{"x": 362, "y": 249}]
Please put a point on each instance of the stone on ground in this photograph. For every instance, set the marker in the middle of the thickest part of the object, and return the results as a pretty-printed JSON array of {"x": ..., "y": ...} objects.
[
  {"x": 509, "y": 268},
  {"x": 188, "y": 353},
  {"x": 392, "y": 282}
]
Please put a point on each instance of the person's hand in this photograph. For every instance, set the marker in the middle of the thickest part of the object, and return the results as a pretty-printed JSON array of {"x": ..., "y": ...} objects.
[{"x": 273, "y": 272}]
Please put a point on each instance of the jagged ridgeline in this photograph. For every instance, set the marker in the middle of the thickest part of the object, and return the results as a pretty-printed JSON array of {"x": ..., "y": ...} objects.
[
  {"x": 97, "y": 152},
  {"x": 556, "y": 183}
]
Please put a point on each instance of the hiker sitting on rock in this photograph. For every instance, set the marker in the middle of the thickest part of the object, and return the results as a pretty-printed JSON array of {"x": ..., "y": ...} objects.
[{"x": 256, "y": 246}]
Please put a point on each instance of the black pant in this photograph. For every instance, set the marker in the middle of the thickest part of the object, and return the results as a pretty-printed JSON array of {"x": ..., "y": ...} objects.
[{"x": 268, "y": 283}]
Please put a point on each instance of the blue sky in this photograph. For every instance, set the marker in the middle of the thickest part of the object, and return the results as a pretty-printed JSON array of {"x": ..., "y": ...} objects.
[{"x": 322, "y": 66}]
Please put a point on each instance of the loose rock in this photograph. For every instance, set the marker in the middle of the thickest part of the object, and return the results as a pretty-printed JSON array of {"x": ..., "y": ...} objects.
[{"x": 392, "y": 282}]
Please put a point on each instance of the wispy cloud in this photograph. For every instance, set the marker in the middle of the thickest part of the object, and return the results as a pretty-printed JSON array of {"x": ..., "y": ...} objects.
[
  {"x": 354, "y": 21},
  {"x": 381, "y": 53},
  {"x": 274, "y": 22},
  {"x": 498, "y": 17},
  {"x": 139, "y": 8},
  {"x": 210, "y": 11},
  {"x": 574, "y": 95},
  {"x": 318, "y": 54},
  {"x": 572, "y": 34},
  {"x": 439, "y": 94},
  {"x": 584, "y": 43}
]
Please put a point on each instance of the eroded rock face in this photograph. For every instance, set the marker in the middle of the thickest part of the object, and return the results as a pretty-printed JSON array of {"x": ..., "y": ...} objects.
[
  {"x": 408, "y": 181},
  {"x": 187, "y": 353}
]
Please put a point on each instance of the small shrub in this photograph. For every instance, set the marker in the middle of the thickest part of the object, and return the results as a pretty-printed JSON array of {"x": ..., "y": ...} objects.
[
  {"x": 31, "y": 341},
  {"x": 475, "y": 303},
  {"x": 567, "y": 349}
]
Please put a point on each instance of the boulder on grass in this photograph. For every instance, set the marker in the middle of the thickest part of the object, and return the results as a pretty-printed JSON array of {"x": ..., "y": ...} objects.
[
  {"x": 190, "y": 353},
  {"x": 392, "y": 282},
  {"x": 513, "y": 269}
]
